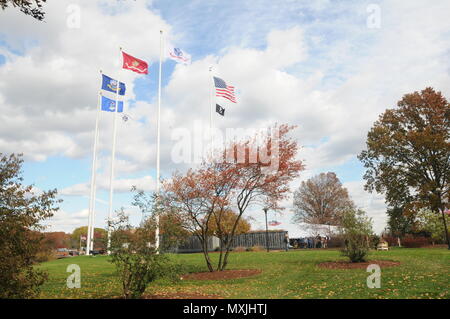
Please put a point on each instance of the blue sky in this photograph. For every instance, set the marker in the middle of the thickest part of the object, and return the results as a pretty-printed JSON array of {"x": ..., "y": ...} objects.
[{"x": 319, "y": 65}]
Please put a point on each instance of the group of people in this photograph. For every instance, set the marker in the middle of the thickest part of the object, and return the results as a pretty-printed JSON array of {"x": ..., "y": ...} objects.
[{"x": 311, "y": 242}]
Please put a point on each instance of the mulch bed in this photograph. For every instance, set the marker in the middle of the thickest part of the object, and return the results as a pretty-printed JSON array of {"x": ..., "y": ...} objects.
[
  {"x": 349, "y": 265},
  {"x": 181, "y": 295},
  {"x": 221, "y": 275}
]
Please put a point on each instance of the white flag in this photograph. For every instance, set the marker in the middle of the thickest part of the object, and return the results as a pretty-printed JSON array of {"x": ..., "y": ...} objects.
[{"x": 179, "y": 56}]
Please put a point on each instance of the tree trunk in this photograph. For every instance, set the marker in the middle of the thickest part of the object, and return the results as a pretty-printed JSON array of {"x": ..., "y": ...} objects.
[
  {"x": 228, "y": 243},
  {"x": 445, "y": 227},
  {"x": 399, "y": 242},
  {"x": 225, "y": 260},
  {"x": 204, "y": 243},
  {"x": 219, "y": 265}
]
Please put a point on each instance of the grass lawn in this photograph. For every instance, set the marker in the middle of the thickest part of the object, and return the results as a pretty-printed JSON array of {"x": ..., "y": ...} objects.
[{"x": 423, "y": 273}]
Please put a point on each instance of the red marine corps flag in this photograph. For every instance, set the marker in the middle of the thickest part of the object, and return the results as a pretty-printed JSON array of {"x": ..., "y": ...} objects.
[{"x": 134, "y": 64}]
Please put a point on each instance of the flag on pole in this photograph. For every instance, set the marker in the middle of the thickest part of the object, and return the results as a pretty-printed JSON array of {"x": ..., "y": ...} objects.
[
  {"x": 109, "y": 105},
  {"x": 134, "y": 64},
  {"x": 180, "y": 56},
  {"x": 110, "y": 85},
  {"x": 224, "y": 90},
  {"x": 220, "y": 110}
]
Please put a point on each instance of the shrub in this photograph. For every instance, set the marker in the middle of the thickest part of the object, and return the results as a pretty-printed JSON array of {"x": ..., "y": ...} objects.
[
  {"x": 44, "y": 255},
  {"x": 22, "y": 212},
  {"x": 256, "y": 248},
  {"x": 374, "y": 241},
  {"x": 136, "y": 259},
  {"x": 415, "y": 242},
  {"x": 356, "y": 230},
  {"x": 336, "y": 242},
  {"x": 239, "y": 249}
]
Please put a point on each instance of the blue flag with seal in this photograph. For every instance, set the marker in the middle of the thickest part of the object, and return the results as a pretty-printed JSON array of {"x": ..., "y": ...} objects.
[
  {"x": 109, "y": 105},
  {"x": 110, "y": 85}
]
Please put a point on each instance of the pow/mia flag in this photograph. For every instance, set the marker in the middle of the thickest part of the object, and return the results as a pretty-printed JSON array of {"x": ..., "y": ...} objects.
[{"x": 220, "y": 110}]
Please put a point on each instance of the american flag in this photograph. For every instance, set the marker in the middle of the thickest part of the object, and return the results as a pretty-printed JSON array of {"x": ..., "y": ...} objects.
[{"x": 224, "y": 90}]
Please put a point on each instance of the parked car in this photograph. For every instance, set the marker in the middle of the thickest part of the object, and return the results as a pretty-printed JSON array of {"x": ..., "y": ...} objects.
[
  {"x": 62, "y": 253},
  {"x": 98, "y": 252},
  {"x": 74, "y": 253}
]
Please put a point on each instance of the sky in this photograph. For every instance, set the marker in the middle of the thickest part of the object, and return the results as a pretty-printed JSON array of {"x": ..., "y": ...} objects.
[{"x": 328, "y": 67}]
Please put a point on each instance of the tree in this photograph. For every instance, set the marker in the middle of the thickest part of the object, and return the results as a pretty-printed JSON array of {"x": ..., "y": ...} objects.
[
  {"x": 170, "y": 222},
  {"x": 408, "y": 154},
  {"x": 431, "y": 223},
  {"x": 31, "y": 8},
  {"x": 254, "y": 171},
  {"x": 21, "y": 214},
  {"x": 100, "y": 236},
  {"x": 221, "y": 224},
  {"x": 398, "y": 223},
  {"x": 356, "y": 229},
  {"x": 321, "y": 200},
  {"x": 55, "y": 240}
]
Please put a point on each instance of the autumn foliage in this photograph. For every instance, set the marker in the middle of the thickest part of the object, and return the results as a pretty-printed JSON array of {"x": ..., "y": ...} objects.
[
  {"x": 253, "y": 171},
  {"x": 408, "y": 153}
]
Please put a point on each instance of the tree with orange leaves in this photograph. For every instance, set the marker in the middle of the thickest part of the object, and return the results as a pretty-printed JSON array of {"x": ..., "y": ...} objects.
[
  {"x": 408, "y": 154},
  {"x": 251, "y": 172}
]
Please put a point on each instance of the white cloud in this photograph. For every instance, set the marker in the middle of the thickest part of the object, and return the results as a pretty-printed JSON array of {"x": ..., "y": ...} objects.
[
  {"x": 324, "y": 71},
  {"x": 146, "y": 183}
]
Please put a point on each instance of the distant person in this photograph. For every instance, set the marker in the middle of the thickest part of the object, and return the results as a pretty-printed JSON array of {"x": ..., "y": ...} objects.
[
  {"x": 286, "y": 241},
  {"x": 318, "y": 241},
  {"x": 310, "y": 242}
]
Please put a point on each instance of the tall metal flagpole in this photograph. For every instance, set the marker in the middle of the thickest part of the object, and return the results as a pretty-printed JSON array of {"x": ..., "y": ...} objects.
[
  {"x": 93, "y": 179},
  {"x": 113, "y": 154},
  {"x": 158, "y": 138},
  {"x": 95, "y": 183},
  {"x": 211, "y": 113}
]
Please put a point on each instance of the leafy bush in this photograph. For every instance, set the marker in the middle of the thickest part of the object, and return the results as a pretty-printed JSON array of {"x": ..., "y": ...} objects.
[
  {"x": 356, "y": 230},
  {"x": 336, "y": 241},
  {"x": 256, "y": 248},
  {"x": 239, "y": 249},
  {"x": 137, "y": 261},
  {"x": 415, "y": 242},
  {"x": 21, "y": 214},
  {"x": 44, "y": 255},
  {"x": 374, "y": 240}
]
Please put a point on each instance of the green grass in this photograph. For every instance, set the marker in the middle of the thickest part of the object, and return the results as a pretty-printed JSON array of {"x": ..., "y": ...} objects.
[{"x": 423, "y": 273}]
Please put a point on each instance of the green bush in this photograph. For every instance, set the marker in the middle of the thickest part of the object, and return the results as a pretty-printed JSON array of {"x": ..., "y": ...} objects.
[
  {"x": 356, "y": 231},
  {"x": 137, "y": 261}
]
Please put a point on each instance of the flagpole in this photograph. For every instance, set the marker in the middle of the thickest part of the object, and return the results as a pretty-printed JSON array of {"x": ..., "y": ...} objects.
[
  {"x": 211, "y": 112},
  {"x": 113, "y": 154},
  {"x": 158, "y": 137},
  {"x": 95, "y": 181},
  {"x": 93, "y": 178}
]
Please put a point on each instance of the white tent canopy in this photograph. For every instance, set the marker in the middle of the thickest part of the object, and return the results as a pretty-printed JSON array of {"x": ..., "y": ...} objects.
[{"x": 308, "y": 230}]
